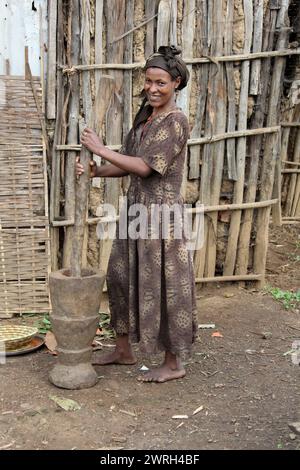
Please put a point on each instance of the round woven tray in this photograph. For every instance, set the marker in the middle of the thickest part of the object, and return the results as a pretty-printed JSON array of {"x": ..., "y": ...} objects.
[{"x": 16, "y": 336}]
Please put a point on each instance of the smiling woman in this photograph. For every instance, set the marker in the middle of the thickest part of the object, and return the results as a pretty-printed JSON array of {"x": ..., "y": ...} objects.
[
  {"x": 150, "y": 280},
  {"x": 159, "y": 88}
]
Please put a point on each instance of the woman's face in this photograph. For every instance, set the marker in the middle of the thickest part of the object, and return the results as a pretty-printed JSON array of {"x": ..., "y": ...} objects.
[{"x": 160, "y": 87}]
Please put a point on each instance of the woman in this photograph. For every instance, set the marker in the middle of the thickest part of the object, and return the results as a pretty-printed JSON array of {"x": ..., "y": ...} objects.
[{"x": 150, "y": 280}]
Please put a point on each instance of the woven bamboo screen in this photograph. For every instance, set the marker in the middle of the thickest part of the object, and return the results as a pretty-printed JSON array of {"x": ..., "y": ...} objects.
[{"x": 24, "y": 230}]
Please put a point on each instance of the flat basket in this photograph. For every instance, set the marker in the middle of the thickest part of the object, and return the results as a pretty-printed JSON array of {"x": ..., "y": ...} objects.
[{"x": 14, "y": 337}]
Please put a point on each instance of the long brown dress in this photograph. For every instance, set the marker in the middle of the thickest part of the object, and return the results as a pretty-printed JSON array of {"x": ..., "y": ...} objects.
[{"x": 150, "y": 281}]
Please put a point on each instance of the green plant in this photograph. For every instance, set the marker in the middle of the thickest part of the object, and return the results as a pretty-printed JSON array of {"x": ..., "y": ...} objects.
[
  {"x": 287, "y": 298},
  {"x": 44, "y": 325},
  {"x": 106, "y": 330}
]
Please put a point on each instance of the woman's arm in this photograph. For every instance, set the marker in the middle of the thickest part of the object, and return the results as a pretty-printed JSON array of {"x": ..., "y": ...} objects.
[
  {"x": 126, "y": 163},
  {"x": 110, "y": 171}
]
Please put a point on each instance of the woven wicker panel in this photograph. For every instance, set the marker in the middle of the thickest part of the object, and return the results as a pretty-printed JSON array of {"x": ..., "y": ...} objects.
[{"x": 24, "y": 226}]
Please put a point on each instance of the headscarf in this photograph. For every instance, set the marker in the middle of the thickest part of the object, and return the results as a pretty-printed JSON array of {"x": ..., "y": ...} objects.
[{"x": 166, "y": 59}]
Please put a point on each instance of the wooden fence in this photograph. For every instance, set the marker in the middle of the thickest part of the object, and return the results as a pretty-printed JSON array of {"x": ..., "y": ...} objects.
[{"x": 236, "y": 52}]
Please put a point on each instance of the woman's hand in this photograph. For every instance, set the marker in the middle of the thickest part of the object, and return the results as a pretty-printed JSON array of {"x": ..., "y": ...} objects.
[
  {"x": 91, "y": 141},
  {"x": 80, "y": 170}
]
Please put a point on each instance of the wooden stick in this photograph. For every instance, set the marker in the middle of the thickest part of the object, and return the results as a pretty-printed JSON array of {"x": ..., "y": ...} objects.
[
  {"x": 115, "y": 15},
  {"x": 51, "y": 72},
  {"x": 296, "y": 195},
  {"x": 242, "y": 206},
  {"x": 290, "y": 170},
  {"x": 173, "y": 24},
  {"x": 201, "y": 60},
  {"x": 231, "y": 122},
  {"x": 42, "y": 64},
  {"x": 85, "y": 52},
  {"x": 290, "y": 124},
  {"x": 72, "y": 133},
  {"x": 55, "y": 157},
  {"x": 38, "y": 107},
  {"x": 193, "y": 210},
  {"x": 7, "y": 66},
  {"x": 249, "y": 277},
  {"x": 96, "y": 120},
  {"x": 96, "y": 182},
  {"x": 77, "y": 147},
  {"x": 163, "y": 23},
  {"x": 236, "y": 134},
  {"x": 254, "y": 147},
  {"x": 149, "y": 12},
  {"x": 217, "y": 115},
  {"x": 238, "y": 195},
  {"x": 270, "y": 156},
  {"x": 291, "y": 163},
  {"x": 135, "y": 28},
  {"x": 200, "y": 141},
  {"x": 98, "y": 38},
  {"x": 206, "y": 171},
  {"x": 202, "y": 78},
  {"x": 289, "y": 203},
  {"x": 258, "y": 9},
  {"x": 127, "y": 85},
  {"x": 276, "y": 209},
  {"x": 183, "y": 99}
]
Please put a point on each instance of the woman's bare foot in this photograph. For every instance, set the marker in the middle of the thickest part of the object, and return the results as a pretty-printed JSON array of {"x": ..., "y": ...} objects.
[
  {"x": 115, "y": 357},
  {"x": 162, "y": 374},
  {"x": 121, "y": 355},
  {"x": 171, "y": 369}
]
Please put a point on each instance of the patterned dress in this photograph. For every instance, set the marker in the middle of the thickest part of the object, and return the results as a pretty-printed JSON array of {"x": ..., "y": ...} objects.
[{"x": 150, "y": 279}]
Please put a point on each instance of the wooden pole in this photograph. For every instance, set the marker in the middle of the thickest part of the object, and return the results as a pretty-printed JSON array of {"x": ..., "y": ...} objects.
[
  {"x": 115, "y": 15},
  {"x": 51, "y": 72},
  {"x": 163, "y": 23},
  {"x": 96, "y": 183},
  {"x": 102, "y": 102},
  {"x": 217, "y": 114},
  {"x": 258, "y": 9},
  {"x": 270, "y": 154},
  {"x": 183, "y": 100},
  {"x": 72, "y": 134},
  {"x": 202, "y": 78},
  {"x": 246, "y": 277},
  {"x": 254, "y": 149},
  {"x": 149, "y": 13},
  {"x": 198, "y": 60},
  {"x": 238, "y": 195},
  {"x": 55, "y": 156},
  {"x": 231, "y": 122}
]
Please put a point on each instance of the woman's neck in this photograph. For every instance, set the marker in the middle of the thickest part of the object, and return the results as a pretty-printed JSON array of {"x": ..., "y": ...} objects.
[{"x": 165, "y": 109}]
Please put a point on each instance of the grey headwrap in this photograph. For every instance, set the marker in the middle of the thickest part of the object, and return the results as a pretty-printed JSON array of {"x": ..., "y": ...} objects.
[{"x": 166, "y": 59}]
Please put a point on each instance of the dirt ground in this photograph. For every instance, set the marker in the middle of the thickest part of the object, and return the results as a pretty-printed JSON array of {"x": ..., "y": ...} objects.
[{"x": 245, "y": 387}]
